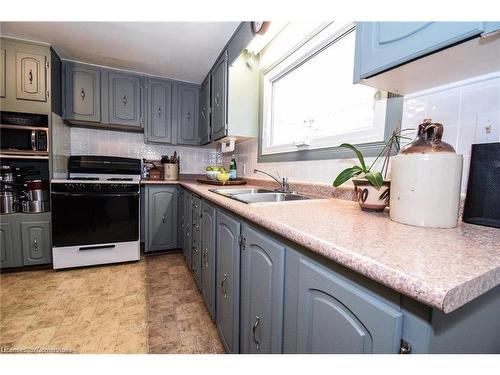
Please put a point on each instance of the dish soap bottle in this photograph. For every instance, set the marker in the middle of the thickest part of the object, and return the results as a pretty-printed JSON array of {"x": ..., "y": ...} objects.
[{"x": 232, "y": 168}]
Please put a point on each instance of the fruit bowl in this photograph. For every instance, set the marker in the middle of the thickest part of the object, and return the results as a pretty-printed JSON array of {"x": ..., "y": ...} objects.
[{"x": 212, "y": 175}]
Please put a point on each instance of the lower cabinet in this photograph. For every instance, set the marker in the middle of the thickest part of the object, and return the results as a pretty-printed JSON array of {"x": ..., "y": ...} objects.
[
  {"x": 35, "y": 238},
  {"x": 188, "y": 222},
  {"x": 161, "y": 218},
  {"x": 262, "y": 285},
  {"x": 327, "y": 313},
  {"x": 25, "y": 240},
  {"x": 228, "y": 281},
  {"x": 208, "y": 258}
]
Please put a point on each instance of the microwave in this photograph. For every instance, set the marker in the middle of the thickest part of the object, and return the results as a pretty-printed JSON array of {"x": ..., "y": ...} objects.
[{"x": 24, "y": 135}]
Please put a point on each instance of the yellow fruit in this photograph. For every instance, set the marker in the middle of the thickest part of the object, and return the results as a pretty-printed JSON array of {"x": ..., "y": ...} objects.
[{"x": 222, "y": 177}]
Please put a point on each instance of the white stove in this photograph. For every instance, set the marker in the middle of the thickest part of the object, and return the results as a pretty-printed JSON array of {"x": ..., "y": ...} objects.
[{"x": 95, "y": 212}]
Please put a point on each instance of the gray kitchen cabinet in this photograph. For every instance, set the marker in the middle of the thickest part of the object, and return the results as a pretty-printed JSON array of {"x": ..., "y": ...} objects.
[
  {"x": 208, "y": 258},
  {"x": 25, "y": 78},
  {"x": 161, "y": 218},
  {"x": 262, "y": 289},
  {"x": 31, "y": 77},
  {"x": 158, "y": 128},
  {"x": 124, "y": 95},
  {"x": 187, "y": 114},
  {"x": 6, "y": 245},
  {"x": 228, "y": 281},
  {"x": 25, "y": 240},
  {"x": 188, "y": 226},
  {"x": 384, "y": 45},
  {"x": 196, "y": 239},
  {"x": 82, "y": 92},
  {"x": 219, "y": 98},
  {"x": 325, "y": 312},
  {"x": 35, "y": 237},
  {"x": 3, "y": 72},
  {"x": 204, "y": 120},
  {"x": 181, "y": 217}
]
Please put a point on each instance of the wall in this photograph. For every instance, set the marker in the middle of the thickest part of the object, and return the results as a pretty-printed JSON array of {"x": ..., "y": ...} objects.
[
  {"x": 61, "y": 146},
  {"x": 460, "y": 107},
  {"x": 115, "y": 143}
]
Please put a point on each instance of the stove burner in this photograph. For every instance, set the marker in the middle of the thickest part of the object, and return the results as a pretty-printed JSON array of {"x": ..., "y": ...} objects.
[{"x": 120, "y": 179}]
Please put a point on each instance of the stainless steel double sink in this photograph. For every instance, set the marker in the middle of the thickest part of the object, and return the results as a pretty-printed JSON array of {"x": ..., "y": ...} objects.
[{"x": 259, "y": 195}]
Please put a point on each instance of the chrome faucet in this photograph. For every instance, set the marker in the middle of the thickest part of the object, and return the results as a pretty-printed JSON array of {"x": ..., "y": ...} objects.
[{"x": 284, "y": 187}]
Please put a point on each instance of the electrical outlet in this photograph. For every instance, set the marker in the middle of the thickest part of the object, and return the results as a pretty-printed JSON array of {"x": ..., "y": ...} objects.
[
  {"x": 487, "y": 127},
  {"x": 244, "y": 169}
]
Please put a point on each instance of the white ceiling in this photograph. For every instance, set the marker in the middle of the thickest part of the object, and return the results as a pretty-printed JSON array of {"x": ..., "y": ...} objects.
[{"x": 179, "y": 50}]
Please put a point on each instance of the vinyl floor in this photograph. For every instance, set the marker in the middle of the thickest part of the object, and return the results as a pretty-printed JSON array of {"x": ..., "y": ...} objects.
[{"x": 151, "y": 306}]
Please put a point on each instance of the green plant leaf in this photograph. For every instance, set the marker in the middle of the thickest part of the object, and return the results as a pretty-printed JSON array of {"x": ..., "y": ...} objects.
[
  {"x": 375, "y": 178},
  {"x": 346, "y": 175},
  {"x": 358, "y": 154}
]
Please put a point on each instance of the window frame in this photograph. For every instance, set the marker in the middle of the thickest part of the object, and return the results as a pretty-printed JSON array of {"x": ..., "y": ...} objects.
[{"x": 393, "y": 110}]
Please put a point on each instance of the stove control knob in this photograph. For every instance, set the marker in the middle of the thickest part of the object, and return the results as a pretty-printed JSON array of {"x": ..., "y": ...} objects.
[
  {"x": 97, "y": 187},
  {"x": 70, "y": 187},
  {"x": 81, "y": 187}
]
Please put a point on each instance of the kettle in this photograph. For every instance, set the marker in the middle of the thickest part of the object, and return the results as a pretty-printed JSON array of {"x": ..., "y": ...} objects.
[{"x": 426, "y": 179}]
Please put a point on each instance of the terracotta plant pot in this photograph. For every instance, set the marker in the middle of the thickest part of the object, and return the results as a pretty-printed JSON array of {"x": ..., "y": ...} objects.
[{"x": 369, "y": 197}]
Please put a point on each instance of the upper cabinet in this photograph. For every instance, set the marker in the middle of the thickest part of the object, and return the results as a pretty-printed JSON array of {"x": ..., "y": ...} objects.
[
  {"x": 158, "y": 111},
  {"x": 204, "y": 112},
  {"x": 405, "y": 57},
  {"x": 219, "y": 98},
  {"x": 125, "y": 99},
  {"x": 24, "y": 77},
  {"x": 83, "y": 92},
  {"x": 187, "y": 114}
]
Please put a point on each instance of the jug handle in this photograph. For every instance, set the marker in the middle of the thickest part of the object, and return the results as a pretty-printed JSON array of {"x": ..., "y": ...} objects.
[{"x": 437, "y": 133}]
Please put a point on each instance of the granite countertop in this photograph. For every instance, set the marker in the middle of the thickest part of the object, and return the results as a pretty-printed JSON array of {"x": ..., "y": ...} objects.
[{"x": 442, "y": 268}]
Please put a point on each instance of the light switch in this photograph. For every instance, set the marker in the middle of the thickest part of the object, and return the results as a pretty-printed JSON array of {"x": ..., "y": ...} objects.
[{"x": 487, "y": 127}]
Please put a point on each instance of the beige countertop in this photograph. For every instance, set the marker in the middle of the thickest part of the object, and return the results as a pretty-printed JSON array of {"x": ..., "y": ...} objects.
[{"x": 442, "y": 268}]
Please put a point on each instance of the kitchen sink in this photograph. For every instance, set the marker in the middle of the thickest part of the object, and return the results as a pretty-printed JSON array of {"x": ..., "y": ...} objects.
[
  {"x": 231, "y": 192},
  {"x": 259, "y": 195}
]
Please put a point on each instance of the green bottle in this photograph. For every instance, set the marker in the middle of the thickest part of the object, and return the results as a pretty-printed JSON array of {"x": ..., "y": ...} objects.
[{"x": 232, "y": 168}]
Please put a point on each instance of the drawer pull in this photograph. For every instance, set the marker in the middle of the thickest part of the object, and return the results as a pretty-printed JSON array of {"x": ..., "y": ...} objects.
[
  {"x": 30, "y": 77},
  {"x": 82, "y": 94},
  {"x": 254, "y": 328},
  {"x": 125, "y": 100},
  {"x": 35, "y": 244}
]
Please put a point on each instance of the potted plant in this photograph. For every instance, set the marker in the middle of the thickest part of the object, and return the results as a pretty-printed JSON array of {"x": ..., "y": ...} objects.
[{"x": 371, "y": 187}]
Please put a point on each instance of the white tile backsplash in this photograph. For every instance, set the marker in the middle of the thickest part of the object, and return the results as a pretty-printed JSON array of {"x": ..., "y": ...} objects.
[
  {"x": 115, "y": 143},
  {"x": 456, "y": 106}
]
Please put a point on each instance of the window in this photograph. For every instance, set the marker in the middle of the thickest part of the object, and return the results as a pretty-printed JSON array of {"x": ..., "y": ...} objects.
[{"x": 310, "y": 103}]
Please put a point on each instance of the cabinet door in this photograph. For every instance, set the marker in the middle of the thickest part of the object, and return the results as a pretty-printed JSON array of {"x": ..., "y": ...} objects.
[
  {"x": 158, "y": 111},
  {"x": 187, "y": 115},
  {"x": 208, "y": 229},
  {"x": 219, "y": 99},
  {"x": 327, "y": 313},
  {"x": 31, "y": 78},
  {"x": 124, "y": 99},
  {"x": 262, "y": 284},
  {"x": 35, "y": 238},
  {"x": 6, "y": 245},
  {"x": 82, "y": 93},
  {"x": 228, "y": 281},
  {"x": 3, "y": 72},
  {"x": 384, "y": 45},
  {"x": 204, "y": 120},
  {"x": 188, "y": 223},
  {"x": 162, "y": 218}
]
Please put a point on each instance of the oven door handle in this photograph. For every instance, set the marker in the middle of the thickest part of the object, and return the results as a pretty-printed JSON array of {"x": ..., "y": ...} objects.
[{"x": 68, "y": 194}]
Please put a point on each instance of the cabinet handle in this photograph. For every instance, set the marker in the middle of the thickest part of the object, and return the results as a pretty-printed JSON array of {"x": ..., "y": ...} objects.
[
  {"x": 205, "y": 257},
  {"x": 257, "y": 342},
  {"x": 203, "y": 113},
  {"x": 216, "y": 99},
  {"x": 125, "y": 100},
  {"x": 195, "y": 205},
  {"x": 35, "y": 244},
  {"x": 196, "y": 226},
  {"x": 159, "y": 111},
  {"x": 163, "y": 218},
  {"x": 189, "y": 116},
  {"x": 82, "y": 94},
  {"x": 30, "y": 77},
  {"x": 223, "y": 286},
  {"x": 195, "y": 250}
]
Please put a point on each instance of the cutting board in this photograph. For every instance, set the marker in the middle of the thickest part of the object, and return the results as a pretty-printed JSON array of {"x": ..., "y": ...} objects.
[{"x": 221, "y": 183}]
